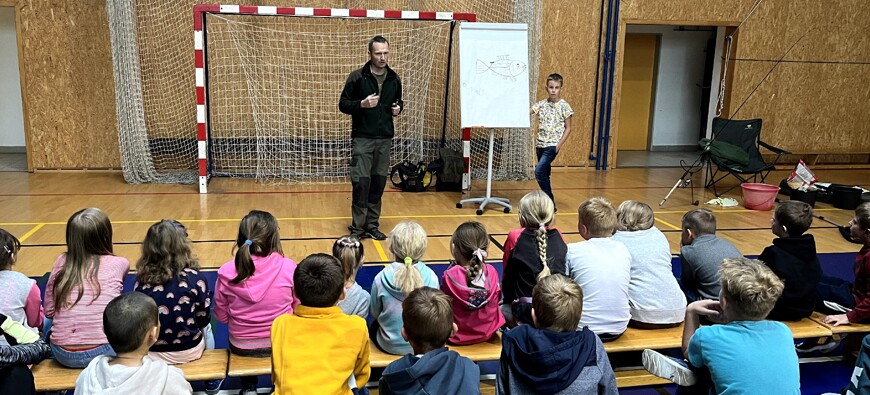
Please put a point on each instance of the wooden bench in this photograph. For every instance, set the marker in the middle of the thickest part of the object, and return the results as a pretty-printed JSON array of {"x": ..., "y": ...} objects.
[
  {"x": 807, "y": 328},
  {"x": 49, "y": 375},
  {"x": 851, "y": 328}
]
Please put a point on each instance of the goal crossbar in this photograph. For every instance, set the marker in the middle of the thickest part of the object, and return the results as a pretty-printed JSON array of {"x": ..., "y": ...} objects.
[{"x": 200, "y": 51}]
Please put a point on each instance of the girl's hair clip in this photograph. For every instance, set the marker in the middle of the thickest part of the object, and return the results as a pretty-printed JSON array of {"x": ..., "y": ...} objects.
[
  {"x": 6, "y": 248},
  {"x": 409, "y": 260},
  {"x": 248, "y": 242}
]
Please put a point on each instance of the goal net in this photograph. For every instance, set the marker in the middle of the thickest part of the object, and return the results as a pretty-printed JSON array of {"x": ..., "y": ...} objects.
[{"x": 273, "y": 87}]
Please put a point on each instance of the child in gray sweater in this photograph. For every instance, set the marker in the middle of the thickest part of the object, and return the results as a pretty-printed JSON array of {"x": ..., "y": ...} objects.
[
  {"x": 701, "y": 254},
  {"x": 349, "y": 251}
]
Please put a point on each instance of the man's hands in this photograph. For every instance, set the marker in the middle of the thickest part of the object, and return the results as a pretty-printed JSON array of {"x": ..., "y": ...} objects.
[
  {"x": 396, "y": 109},
  {"x": 371, "y": 101},
  {"x": 710, "y": 308},
  {"x": 837, "y": 320}
]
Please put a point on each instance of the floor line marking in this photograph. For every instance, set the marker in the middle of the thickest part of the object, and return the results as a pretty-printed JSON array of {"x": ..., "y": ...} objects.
[
  {"x": 380, "y": 251},
  {"x": 31, "y": 232},
  {"x": 672, "y": 226}
]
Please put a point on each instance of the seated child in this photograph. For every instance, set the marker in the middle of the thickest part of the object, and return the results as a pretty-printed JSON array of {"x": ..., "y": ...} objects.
[
  {"x": 407, "y": 244},
  {"x": 131, "y": 325},
  {"x": 701, "y": 254},
  {"x": 601, "y": 266},
  {"x": 349, "y": 251},
  {"x": 83, "y": 280},
  {"x": 553, "y": 357},
  {"x": 793, "y": 258},
  {"x": 21, "y": 347},
  {"x": 654, "y": 296},
  {"x": 254, "y": 288},
  {"x": 473, "y": 286},
  {"x": 746, "y": 354},
  {"x": 432, "y": 368},
  {"x": 20, "y": 298},
  {"x": 853, "y": 299},
  {"x": 531, "y": 253},
  {"x": 318, "y": 347}
]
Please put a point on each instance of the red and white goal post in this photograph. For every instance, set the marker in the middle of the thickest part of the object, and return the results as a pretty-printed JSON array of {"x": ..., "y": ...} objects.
[{"x": 201, "y": 57}]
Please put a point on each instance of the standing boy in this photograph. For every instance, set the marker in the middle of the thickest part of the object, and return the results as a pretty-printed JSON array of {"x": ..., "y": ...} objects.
[
  {"x": 372, "y": 96},
  {"x": 317, "y": 348},
  {"x": 553, "y": 357},
  {"x": 554, "y": 126},
  {"x": 701, "y": 254},
  {"x": 432, "y": 369}
]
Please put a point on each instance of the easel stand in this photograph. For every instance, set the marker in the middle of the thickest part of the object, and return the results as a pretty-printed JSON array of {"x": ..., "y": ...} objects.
[{"x": 483, "y": 201}]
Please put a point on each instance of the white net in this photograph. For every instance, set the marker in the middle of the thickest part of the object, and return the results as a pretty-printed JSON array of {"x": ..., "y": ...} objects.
[{"x": 274, "y": 84}]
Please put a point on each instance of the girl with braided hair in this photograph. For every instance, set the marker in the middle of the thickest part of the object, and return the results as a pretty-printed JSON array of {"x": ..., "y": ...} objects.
[
  {"x": 531, "y": 253},
  {"x": 473, "y": 285}
]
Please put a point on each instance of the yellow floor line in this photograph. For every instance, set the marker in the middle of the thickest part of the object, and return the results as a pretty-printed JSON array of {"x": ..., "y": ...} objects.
[
  {"x": 668, "y": 224},
  {"x": 380, "y": 251},
  {"x": 31, "y": 232}
]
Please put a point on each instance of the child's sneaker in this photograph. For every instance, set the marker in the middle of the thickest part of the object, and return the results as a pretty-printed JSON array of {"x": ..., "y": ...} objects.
[
  {"x": 668, "y": 368},
  {"x": 821, "y": 345},
  {"x": 213, "y": 387}
]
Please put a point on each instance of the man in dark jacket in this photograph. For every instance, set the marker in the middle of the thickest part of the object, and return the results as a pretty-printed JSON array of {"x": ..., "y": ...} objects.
[{"x": 372, "y": 96}]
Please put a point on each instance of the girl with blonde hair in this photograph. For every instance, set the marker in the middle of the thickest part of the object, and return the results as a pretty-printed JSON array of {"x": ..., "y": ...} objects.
[
  {"x": 407, "y": 244},
  {"x": 531, "y": 253},
  {"x": 83, "y": 280}
]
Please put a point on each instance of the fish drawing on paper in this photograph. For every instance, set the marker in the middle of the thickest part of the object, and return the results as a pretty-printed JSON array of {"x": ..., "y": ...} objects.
[{"x": 503, "y": 66}]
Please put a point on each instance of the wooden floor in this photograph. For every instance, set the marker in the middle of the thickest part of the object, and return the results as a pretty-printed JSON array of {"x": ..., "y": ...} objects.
[{"x": 35, "y": 207}]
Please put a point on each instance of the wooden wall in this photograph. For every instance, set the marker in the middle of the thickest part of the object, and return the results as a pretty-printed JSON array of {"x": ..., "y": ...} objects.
[{"x": 70, "y": 107}]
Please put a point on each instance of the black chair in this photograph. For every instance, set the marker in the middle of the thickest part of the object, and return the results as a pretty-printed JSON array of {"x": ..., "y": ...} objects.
[{"x": 745, "y": 135}]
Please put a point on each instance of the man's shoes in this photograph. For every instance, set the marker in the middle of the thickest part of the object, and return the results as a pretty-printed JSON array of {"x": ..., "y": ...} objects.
[
  {"x": 820, "y": 345},
  {"x": 376, "y": 234},
  {"x": 668, "y": 368},
  {"x": 359, "y": 234}
]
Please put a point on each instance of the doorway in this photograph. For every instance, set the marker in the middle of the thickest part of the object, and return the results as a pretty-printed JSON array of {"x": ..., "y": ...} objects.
[
  {"x": 13, "y": 155},
  {"x": 666, "y": 95}
]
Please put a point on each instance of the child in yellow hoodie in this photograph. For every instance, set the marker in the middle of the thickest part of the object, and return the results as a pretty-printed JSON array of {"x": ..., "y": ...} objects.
[{"x": 318, "y": 347}]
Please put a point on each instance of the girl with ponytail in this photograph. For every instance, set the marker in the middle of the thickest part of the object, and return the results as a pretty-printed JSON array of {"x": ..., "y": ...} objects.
[
  {"x": 531, "y": 253},
  {"x": 407, "y": 244},
  {"x": 254, "y": 288},
  {"x": 473, "y": 285},
  {"x": 349, "y": 251}
]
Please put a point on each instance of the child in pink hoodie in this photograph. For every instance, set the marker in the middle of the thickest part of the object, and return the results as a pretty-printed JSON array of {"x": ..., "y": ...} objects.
[
  {"x": 473, "y": 285},
  {"x": 254, "y": 288}
]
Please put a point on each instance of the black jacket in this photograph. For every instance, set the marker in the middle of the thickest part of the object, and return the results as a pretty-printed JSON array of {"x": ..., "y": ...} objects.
[
  {"x": 377, "y": 122},
  {"x": 794, "y": 260}
]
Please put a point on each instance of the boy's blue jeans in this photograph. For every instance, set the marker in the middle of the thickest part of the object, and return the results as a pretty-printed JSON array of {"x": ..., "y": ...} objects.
[{"x": 546, "y": 156}]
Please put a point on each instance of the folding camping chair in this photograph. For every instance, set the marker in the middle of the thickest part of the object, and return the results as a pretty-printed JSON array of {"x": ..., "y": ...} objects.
[{"x": 744, "y": 139}]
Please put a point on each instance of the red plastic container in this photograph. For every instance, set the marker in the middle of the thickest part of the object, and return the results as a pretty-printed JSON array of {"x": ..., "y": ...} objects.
[{"x": 758, "y": 196}]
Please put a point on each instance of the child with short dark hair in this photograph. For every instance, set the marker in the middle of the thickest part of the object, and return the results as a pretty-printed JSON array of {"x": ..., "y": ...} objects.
[
  {"x": 432, "y": 368},
  {"x": 793, "y": 258},
  {"x": 532, "y": 252},
  {"x": 20, "y": 298},
  {"x": 602, "y": 267},
  {"x": 473, "y": 286},
  {"x": 553, "y": 357},
  {"x": 701, "y": 254},
  {"x": 350, "y": 252},
  {"x": 746, "y": 354},
  {"x": 391, "y": 285},
  {"x": 254, "y": 288},
  {"x": 318, "y": 347},
  {"x": 82, "y": 282},
  {"x": 131, "y": 325},
  {"x": 554, "y": 127}
]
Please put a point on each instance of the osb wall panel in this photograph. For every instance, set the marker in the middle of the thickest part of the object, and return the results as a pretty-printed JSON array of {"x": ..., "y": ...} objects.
[
  {"x": 569, "y": 46},
  {"x": 69, "y": 87},
  {"x": 813, "y": 102}
]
